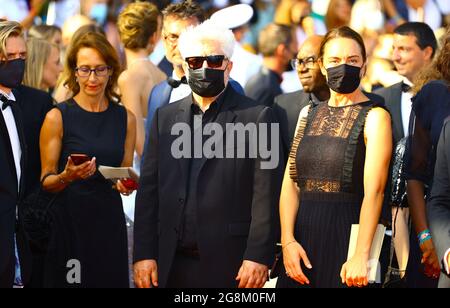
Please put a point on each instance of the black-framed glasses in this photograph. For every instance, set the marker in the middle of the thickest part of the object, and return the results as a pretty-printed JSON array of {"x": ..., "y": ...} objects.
[
  {"x": 99, "y": 71},
  {"x": 306, "y": 62},
  {"x": 213, "y": 61}
]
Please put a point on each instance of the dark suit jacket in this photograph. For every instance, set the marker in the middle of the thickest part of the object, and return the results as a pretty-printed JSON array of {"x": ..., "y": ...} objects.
[
  {"x": 287, "y": 108},
  {"x": 11, "y": 193},
  {"x": 166, "y": 66},
  {"x": 264, "y": 87},
  {"x": 236, "y": 202},
  {"x": 34, "y": 105},
  {"x": 393, "y": 101},
  {"x": 440, "y": 193}
]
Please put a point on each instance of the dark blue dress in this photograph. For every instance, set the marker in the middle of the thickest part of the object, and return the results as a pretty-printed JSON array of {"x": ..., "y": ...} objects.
[{"x": 90, "y": 227}]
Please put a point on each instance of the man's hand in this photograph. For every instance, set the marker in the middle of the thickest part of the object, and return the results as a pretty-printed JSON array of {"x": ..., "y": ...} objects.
[
  {"x": 430, "y": 259},
  {"x": 252, "y": 275},
  {"x": 146, "y": 274}
]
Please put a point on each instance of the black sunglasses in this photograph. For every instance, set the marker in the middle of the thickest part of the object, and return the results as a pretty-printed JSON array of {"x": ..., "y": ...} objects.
[{"x": 197, "y": 62}]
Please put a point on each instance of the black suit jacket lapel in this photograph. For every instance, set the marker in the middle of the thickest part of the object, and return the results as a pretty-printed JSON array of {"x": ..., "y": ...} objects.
[
  {"x": 396, "y": 97},
  {"x": 184, "y": 116},
  {"x": 20, "y": 130},
  {"x": 8, "y": 148}
]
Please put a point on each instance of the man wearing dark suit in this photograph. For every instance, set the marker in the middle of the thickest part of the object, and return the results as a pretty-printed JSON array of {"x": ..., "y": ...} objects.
[
  {"x": 14, "y": 251},
  {"x": 34, "y": 105},
  {"x": 206, "y": 222},
  {"x": 278, "y": 46},
  {"x": 177, "y": 17},
  {"x": 287, "y": 107},
  {"x": 414, "y": 47}
]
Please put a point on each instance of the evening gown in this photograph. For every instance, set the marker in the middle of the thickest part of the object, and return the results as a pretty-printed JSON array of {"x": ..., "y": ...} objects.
[
  {"x": 327, "y": 163},
  {"x": 90, "y": 226}
]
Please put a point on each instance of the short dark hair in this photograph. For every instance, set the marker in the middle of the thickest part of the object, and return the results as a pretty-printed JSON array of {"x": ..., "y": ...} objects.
[
  {"x": 272, "y": 36},
  {"x": 185, "y": 10},
  {"x": 424, "y": 34},
  {"x": 343, "y": 32}
]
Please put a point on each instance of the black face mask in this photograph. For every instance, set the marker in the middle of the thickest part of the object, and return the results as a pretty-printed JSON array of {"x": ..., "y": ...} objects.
[
  {"x": 11, "y": 73},
  {"x": 344, "y": 78},
  {"x": 206, "y": 82}
]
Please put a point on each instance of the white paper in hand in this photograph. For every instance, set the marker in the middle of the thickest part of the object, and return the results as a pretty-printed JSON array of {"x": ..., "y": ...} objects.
[
  {"x": 114, "y": 173},
  {"x": 373, "y": 265}
]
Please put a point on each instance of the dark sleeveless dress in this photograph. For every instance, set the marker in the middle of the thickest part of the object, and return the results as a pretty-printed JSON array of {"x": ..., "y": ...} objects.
[
  {"x": 90, "y": 226},
  {"x": 327, "y": 162}
]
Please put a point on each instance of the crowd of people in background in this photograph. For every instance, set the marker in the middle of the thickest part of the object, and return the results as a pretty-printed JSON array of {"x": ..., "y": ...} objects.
[{"x": 358, "y": 89}]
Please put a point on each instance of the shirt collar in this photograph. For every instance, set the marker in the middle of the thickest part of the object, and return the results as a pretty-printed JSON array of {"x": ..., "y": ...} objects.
[
  {"x": 9, "y": 96},
  {"x": 212, "y": 108}
]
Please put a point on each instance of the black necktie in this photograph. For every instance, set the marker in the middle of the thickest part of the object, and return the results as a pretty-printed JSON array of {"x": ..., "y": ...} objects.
[
  {"x": 6, "y": 102},
  {"x": 176, "y": 83},
  {"x": 405, "y": 88}
]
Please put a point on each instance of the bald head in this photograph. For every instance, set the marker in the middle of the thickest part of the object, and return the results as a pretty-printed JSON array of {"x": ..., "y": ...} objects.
[
  {"x": 72, "y": 25},
  {"x": 308, "y": 69},
  {"x": 310, "y": 47}
]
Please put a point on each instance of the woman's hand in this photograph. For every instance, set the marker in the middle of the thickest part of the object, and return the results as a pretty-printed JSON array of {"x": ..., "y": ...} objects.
[
  {"x": 354, "y": 271},
  {"x": 84, "y": 171},
  {"x": 124, "y": 189},
  {"x": 430, "y": 259},
  {"x": 293, "y": 252}
]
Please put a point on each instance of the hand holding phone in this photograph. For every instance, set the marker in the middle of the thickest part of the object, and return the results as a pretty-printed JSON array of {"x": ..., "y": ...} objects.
[{"x": 79, "y": 159}]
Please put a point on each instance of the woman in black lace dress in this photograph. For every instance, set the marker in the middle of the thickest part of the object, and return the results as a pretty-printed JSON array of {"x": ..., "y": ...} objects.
[
  {"x": 336, "y": 175},
  {"x": 89, "y": 228}
]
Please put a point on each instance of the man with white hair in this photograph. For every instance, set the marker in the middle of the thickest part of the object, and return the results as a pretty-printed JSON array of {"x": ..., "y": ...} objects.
[{"x": 206, "y": 217}]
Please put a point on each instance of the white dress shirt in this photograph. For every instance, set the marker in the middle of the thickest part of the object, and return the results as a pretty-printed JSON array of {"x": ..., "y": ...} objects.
[
  {"x": 406, "y": 107},
  {"x": 179, "y": 93},
  {"x": 13, "y": 134}
]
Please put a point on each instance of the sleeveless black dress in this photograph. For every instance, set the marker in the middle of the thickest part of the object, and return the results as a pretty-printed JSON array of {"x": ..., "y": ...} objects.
[
  {"x": 90, "y": 226},
  {"x": 327, "y": 162}
]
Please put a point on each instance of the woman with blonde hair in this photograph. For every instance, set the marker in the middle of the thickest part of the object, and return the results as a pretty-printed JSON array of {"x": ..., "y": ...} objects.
[
  {"x": 43, "y": 65},
  {"x": 139, "y": 27}
]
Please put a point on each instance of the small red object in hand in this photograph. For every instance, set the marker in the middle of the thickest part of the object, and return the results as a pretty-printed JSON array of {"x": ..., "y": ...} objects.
[{"x": 129, "y": 184}]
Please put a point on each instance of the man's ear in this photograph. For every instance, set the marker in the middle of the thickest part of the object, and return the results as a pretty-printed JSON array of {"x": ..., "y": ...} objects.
[
  {"x": 427, "y": 53},
  {"x": 185, "y": 69},
  {"x": 230, "y": 66},
  {"x": 280, "y": 51}
]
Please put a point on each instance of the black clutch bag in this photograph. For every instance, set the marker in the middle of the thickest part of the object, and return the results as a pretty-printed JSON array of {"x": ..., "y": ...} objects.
[{"x": 37, "y": 217}]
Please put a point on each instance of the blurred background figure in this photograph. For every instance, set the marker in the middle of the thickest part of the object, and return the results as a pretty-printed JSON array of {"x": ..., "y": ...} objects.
[
  {"x": 140, "y": 29},
  {"x": 236, "y": 18},
  {"x": 71, "y": 25},
  {"x": 435, "y": 13},
  {"x": 338, "y": 14},
  {"x": 278, "y": 46},
  {"x": 21, "y": 11},
  {"x": 43, "y": 65},
  {"x": 52, "y": 34}
]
